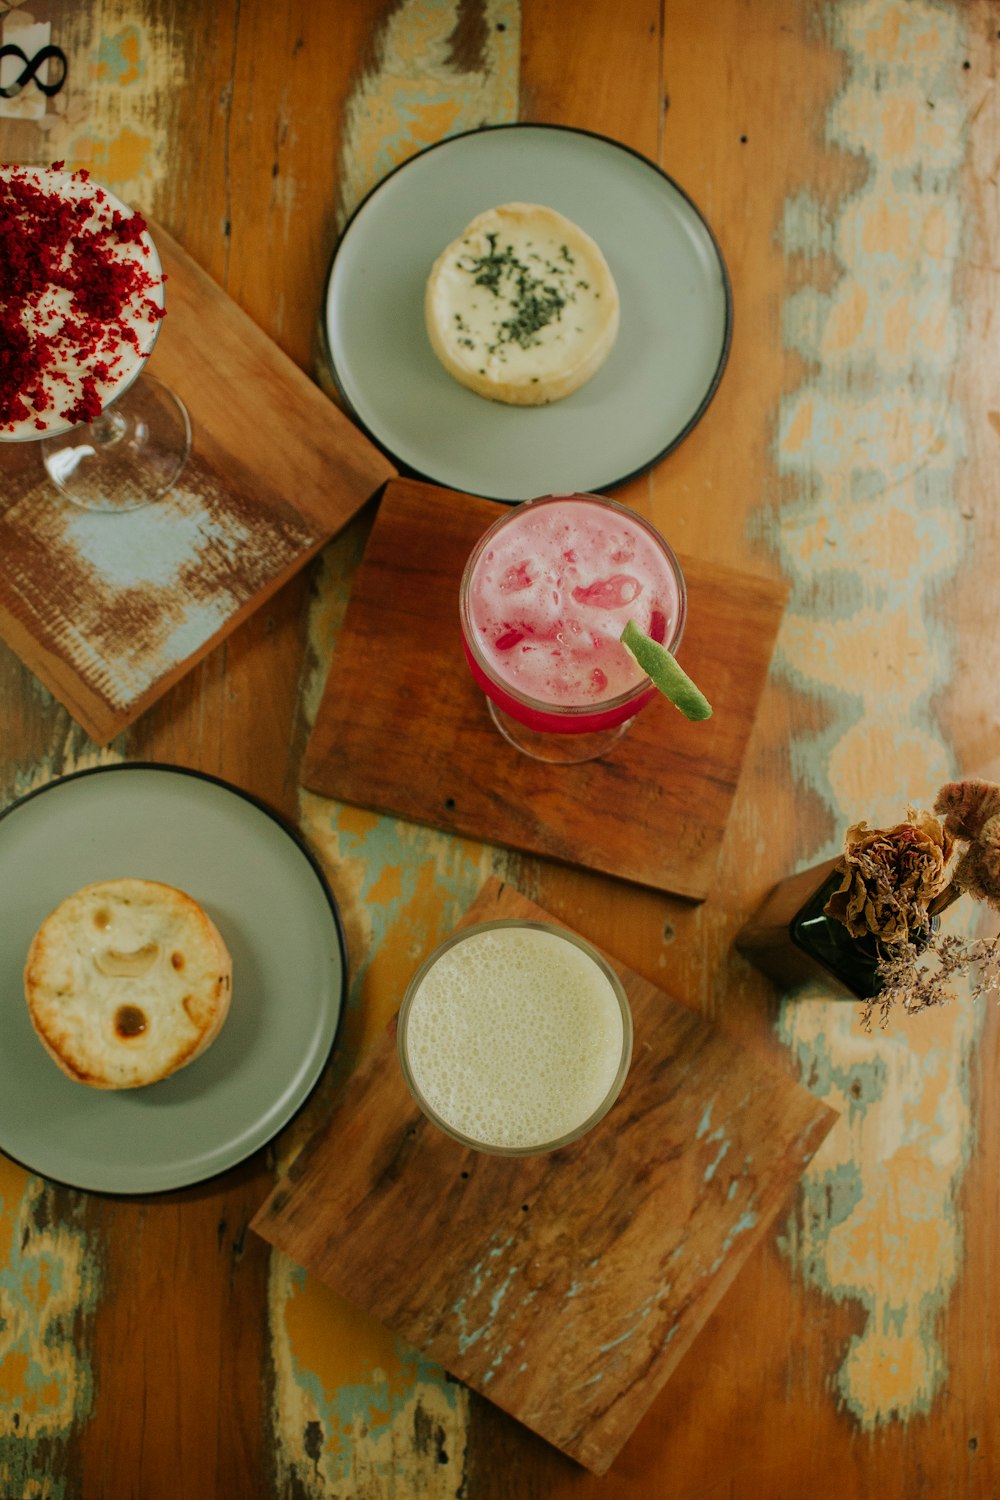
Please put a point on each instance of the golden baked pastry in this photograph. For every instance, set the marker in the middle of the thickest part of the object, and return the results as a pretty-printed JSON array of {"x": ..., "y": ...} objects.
[
  {"x": 522, "y": 307},
  {"x": 127, "y": 981}
]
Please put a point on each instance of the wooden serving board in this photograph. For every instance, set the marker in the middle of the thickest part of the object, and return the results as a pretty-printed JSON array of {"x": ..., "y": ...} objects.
[
  {"x": 403, "y": 728},
  {"x": 564, "y": 1287},
  {"x": 110, "y": 610}
]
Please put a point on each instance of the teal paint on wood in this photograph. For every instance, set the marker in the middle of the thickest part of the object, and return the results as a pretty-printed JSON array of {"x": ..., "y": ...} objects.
[
  {"x": 744, "y": 1223},
  {"x": 713, "y": 1166},
  {"x": 120, "y": 57},
  {"x": 628, "y": 1334},
  {"x": 501, "y": 1291},
  {"x": 49, "y": 1286},
  {"x": 869, "y": 448},
  {"x": 355, "y": 1403},
  {"x": 394, "y": 111}
]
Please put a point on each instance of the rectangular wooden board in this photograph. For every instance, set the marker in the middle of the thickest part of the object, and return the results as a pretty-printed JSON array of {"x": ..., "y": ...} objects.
[
  {"x": 403, "y": 728},
  {"x": 564, "y": 1287},
  {"x": 110, "y": 610}
]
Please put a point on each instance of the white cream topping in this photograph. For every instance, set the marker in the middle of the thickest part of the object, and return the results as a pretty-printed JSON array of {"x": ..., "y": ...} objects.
[{"x": 63, "y": 381}]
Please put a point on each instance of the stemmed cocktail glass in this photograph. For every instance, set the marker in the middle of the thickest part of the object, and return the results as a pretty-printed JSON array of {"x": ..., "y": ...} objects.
[
  {"x": 544, "y": 598},
  {"x": 81, "y": 301}
]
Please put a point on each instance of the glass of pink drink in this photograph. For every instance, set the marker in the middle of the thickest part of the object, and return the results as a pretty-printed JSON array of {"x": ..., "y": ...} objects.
[{"x": 545, "y": 596}]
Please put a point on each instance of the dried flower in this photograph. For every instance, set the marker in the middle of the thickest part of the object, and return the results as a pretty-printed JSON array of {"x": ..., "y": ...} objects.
[
  {"x": 890, "y": 876},
  {"x": 894, "y": 883},
  {"x": 972, "y": 813},
  {"x": 917, "y": 978}
]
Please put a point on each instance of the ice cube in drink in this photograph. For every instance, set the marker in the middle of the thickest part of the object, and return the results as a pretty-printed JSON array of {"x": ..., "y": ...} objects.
[{"x": 545, "y": 597}]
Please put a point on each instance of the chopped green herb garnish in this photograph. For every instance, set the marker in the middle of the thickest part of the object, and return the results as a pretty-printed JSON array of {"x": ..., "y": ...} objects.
[{"x": 535, "y": 302}]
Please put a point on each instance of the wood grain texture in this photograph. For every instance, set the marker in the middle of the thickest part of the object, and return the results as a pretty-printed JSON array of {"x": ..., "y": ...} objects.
[
  {"x": 253, "y": 406},
  {"x": 565, "y": 1287},
  {"x": 403, "y": 727},
  {"x": 111, "y": 610},
  {"x": 163, "y": 1308},
  {"x": 248, "y": 132},
  {"x": 754, "y": 97}
]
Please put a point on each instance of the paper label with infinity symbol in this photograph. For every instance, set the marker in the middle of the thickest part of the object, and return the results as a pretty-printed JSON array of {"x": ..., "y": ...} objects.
[{"x": 29, "y": 103}]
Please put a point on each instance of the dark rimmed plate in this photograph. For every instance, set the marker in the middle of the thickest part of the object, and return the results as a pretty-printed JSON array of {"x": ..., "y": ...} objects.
[
  {"x": 676, "y": 315},
  {"x": 268, "y": 897}
]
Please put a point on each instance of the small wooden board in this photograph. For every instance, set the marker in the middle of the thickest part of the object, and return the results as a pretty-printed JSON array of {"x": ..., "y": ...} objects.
[
  {"x": 404, "y": 729},
  {"x": 110, "y": 610},
  {"x": 566, "y": 1287}
]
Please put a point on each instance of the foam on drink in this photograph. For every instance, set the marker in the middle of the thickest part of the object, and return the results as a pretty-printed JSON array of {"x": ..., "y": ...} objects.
[{"x": 514, "y": 1036}]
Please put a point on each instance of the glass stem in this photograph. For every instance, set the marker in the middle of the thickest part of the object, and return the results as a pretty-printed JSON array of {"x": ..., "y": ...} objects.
[{"x": 109, "y": 429}]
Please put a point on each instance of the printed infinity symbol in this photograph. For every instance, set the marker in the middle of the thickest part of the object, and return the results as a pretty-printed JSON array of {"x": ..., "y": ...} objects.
[{"x": 30, "y": 70}]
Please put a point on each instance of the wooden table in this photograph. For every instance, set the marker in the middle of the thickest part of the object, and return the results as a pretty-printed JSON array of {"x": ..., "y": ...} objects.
[{"x": 845, "y": 154}]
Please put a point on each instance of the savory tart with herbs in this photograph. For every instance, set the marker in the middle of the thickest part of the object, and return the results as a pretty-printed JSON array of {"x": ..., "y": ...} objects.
[{"x": 522, "y": 307}]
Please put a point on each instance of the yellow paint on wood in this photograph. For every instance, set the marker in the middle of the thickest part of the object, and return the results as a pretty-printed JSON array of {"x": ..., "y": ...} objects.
[
  {"x": 311, "y": 1311},
  {"x": 888, "y": 229},
  {"x": 125, "y": 64},
  {"x": 127, "y": 50},
  {"x": 419, "y": 922},
  {"x": 882, "y": 33},
  {"x": 356, "y": 822},
  {"x": 418, "y": 93},
  {"x": 399, "y": 887},
  {"x": 877, "y": 768},
  {"x": 937, "y": 232},
  {"x": 844, "y": 325},
  {"x": 13, "y": 1372},
  {"x": 897, "y": 327},
  {"x": 127, "y": 156},
  {"x": 899, "y": 129},
  {"x": 368, "y": 1398},
  {"x": 431, "y": 124},
  {"x": 880, "y": 1225},
  {"x": 44, "y": 1382},
  {"x": 932, "y": 331},
  {"x": 387, "y": 886},
  {"x": 897, "y": 1247},
  {"x": 799, "y": 431},
  {"x": 871, "y": 653}
]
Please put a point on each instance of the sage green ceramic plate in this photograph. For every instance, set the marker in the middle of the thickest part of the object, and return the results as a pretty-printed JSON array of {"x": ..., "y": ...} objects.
[
  {"x": 676, "y": 315},
  {"x": 267, "y": 896}
]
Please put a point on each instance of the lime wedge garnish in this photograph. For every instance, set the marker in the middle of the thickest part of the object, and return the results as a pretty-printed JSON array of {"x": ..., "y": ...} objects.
[{"x": 662, "y": 670}]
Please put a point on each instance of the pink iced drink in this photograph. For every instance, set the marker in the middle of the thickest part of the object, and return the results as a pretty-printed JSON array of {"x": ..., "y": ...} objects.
[{"x": 547, "y": 594}]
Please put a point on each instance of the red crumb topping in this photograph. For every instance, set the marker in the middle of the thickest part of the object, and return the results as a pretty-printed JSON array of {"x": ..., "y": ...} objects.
[
  {"x": 88, "y": 404},
  {"x": 48, "y": 243},
  {"x": 131, "y": 228}
]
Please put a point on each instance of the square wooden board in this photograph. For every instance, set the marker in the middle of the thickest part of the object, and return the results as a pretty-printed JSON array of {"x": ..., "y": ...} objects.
[
  {"x": 110, "y": 610},
  {"x": 564, "y": 1287},
  {"x": 403, "y": 728}
]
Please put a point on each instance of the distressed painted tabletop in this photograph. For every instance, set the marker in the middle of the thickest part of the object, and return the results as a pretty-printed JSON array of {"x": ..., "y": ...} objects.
[{"x": 846, "y": 153}]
